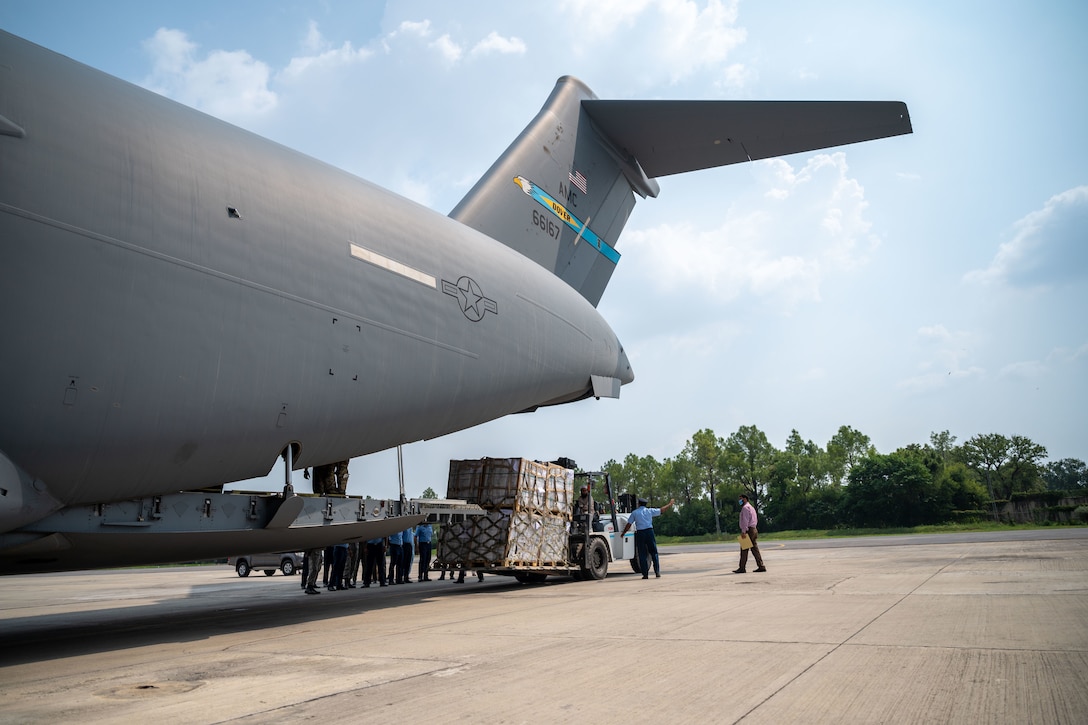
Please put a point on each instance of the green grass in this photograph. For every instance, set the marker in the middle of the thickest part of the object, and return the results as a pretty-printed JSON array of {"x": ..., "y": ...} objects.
[{"x": 840, "y": 533}]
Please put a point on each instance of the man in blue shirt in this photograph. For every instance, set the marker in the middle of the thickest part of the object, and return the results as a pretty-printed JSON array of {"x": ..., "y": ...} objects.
[
  {"x": 374, "y": 563},
  {"x": 406, "y": 551},
  {"x": 396, "y": 558},
  {"x": 645, "y": 543},
  {"x": 424, "y": 534}
]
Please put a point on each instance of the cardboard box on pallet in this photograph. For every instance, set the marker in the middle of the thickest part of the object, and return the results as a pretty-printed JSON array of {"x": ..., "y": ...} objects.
[
  {"x": 529, "y": 510},
  {"x": 506, "y": 538},
  {"x": 514, "y": 483}
]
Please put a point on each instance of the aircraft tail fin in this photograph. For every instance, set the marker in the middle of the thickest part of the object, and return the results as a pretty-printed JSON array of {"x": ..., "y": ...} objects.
[
  {"x": 560, "y": 194},
  {"x": 564, "y": 189}
]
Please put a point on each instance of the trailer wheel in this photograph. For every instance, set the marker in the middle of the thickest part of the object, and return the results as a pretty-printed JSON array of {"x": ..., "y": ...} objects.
[
  {"x": 242, "y": 568},
  {"x": 596, "y": 564}
]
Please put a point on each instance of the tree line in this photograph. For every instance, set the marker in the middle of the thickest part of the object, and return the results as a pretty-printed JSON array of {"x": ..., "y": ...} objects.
[{"x": 846, "y": 483}]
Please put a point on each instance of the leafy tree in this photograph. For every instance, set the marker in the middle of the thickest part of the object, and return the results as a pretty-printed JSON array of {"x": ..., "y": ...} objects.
[
  {"x": 748, "y": 461},
  {"x": 958, "y": 489},
  {"x": 429, "y": 493},
  {"x": 637, "y": 475},
  {"x": 704, "y": 451},
  {"x": 785, "y": 502},
  {"x": 1023, "y": 471},
  {"x": 1007, "y": 465},
  {"x": 984, "y": 454},
  {"x": 680, "y": 480},
  {"x": 797, "y": 474},
  {"x": 644, "y": 475},
  {"x": 844, "y": 450},
  {"x": 810, "y": 462},
  {"x": 1068, "y": 474},
  {"x": 618, "y": 474},
  {"x": 822, "y": 508},
  {"x": 955, "y": 487},
  {"x": 692, "y": 519},
  {"x": 944, "y": 443},
  {"x": 891, "y": 490}
]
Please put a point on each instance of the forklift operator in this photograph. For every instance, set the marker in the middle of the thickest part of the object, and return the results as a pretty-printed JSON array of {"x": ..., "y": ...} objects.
[{"x": 583, "y": 507}]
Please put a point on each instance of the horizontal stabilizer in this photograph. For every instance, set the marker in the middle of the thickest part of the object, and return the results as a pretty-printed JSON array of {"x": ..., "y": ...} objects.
[
  {"x": 563, "y": 191},
  {"x": 671, "y": 137}
]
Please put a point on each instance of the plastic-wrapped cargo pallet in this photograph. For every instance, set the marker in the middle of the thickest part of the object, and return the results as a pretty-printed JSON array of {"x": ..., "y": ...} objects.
[{"x": 528, "y": 519}]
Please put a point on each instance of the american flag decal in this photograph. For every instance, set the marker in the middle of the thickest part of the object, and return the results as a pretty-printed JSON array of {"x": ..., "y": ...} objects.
[{"x": 578, "y": 180}]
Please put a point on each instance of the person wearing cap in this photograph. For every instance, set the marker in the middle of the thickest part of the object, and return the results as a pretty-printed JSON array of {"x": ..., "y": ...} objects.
[
  {"x": 748, "y": 520},
  {"x": 645, "y": 541}
]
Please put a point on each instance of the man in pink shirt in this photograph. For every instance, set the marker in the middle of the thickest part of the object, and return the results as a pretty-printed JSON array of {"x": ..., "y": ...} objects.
[{"x": 748, "y": 521}]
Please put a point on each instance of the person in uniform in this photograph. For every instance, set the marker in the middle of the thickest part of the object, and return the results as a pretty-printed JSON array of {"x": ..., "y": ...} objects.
[
  {"x": 324, "y": 479},
  {"x": 312, "y": 567},
  {"x": 424, "y": 535},
  {"x": 645, "y": 542},
  {"x": 374, "y": 563},
  {"x": 340, "y": 478},
  {"x": 407, "y": 550},
  {"x": 396, "y": 557}
]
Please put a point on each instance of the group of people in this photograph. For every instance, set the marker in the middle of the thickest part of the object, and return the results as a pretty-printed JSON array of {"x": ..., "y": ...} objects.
[
  {"x": 341, "y": 563},
  {"x": 642, "y": 519}
]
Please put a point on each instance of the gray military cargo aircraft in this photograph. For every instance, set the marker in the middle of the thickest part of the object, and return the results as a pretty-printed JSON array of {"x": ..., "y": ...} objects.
[{"x": 183, "y": 302}]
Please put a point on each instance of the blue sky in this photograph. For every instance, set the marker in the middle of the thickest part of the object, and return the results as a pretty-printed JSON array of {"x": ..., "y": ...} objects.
[{"x": 904, "y": 286}]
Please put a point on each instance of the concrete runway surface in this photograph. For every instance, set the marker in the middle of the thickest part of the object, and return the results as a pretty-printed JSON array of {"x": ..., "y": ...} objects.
[{"x": 920, "y": 632}]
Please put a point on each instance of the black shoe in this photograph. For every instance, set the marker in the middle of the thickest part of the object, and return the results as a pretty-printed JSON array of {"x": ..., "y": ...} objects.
[
  {"x": 657, "y": 574},
  {"x": 311, "y": 590},
  {"x": 739, "y": 571},
  {"x": 762, "y": 568},
  {"x": 645, "y": 576}
]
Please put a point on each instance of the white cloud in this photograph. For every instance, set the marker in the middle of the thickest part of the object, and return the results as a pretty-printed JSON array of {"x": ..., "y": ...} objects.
[
  {"x": 780, "y": 241},
  {"x": 661, "y": 40},
  {"x": 228, "y": 84},
  {"x": 1049, "y": 246},
  {"x": 322, "y": 57},
  {"x": 448, "y": 49},
  {"x": 495, "y": 43},
  {"x": 421, "y": 29}
]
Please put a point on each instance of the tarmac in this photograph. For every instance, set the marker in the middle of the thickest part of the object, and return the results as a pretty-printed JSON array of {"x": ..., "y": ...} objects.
[{"x": 919, "y": 630}]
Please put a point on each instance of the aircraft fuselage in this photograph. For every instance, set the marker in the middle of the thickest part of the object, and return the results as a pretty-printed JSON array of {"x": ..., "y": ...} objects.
[{"x": 181, "y": 300}]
